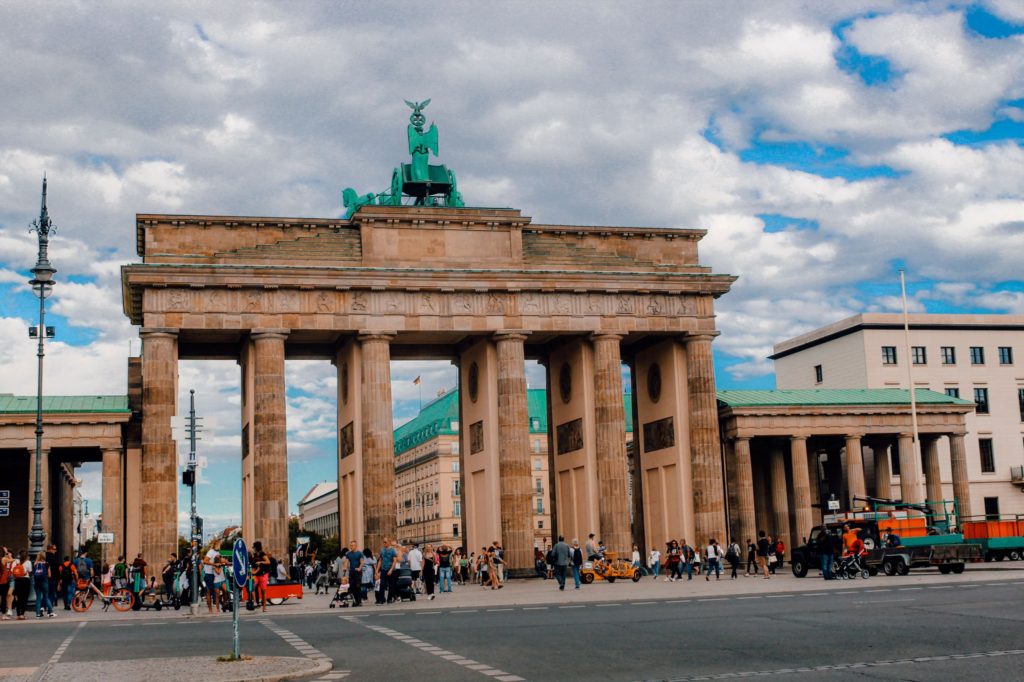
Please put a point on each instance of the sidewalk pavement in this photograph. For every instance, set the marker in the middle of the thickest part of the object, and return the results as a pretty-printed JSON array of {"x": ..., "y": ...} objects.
[
  {"x": 254, "y": 669},
  {"x": 545, "y": 592}
]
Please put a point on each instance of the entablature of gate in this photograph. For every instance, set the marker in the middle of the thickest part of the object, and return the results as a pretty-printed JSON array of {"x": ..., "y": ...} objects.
[{"x": 842, "y": 420}]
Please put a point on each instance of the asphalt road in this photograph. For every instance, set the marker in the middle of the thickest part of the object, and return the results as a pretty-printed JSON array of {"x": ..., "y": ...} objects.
[{"x": 949, "y": 631}]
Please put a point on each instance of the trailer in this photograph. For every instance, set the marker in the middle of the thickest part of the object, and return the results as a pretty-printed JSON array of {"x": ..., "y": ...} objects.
[{"x": 998, "y": 537}]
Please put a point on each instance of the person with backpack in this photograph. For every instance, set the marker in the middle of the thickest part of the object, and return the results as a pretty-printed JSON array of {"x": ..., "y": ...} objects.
[
  {"x": 689, "y": 559},
  {"x": 68, "y": 581},
  {"x": 21, "y": 571},
  {"x": 732, "y": 555},
  {"x": 83, "y": 565},
  {"x": 576, "y": 562},
  {"x": 41, "y": 581}
]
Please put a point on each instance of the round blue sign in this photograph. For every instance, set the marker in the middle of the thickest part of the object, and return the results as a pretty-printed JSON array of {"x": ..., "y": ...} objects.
[{"x": 240, "y": 562}]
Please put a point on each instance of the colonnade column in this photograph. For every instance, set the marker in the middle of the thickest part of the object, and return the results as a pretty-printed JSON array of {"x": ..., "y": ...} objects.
[
  {"x": 610, "y": 423},
  {"x": 883, "y": 472},
  {"x": 855, "y": 468},
  {"x": 378, "y": 440},
  {"x": 705, "y": 456},
  {"x": 932, "y": 473},
  {"x": 910, "y": 479},
  {"x": 113, "y": 504},
  {"x": 159, "y": 479},
  {"x": 270, "y": 446},
  {"x": 801, "y": 488},
  {"x": 744, "y": 492},
  {"x": 780, "y": 497},
  {"x": 514, "y": 454},
  {"x": 961, "y": 486}
]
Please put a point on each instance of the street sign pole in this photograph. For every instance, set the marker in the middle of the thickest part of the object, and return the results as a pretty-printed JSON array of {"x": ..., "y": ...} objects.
[{"x": 240, "y": 569}]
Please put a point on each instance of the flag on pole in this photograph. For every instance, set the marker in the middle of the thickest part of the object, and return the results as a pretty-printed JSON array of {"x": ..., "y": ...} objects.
[{"x": 416, "y": 380}]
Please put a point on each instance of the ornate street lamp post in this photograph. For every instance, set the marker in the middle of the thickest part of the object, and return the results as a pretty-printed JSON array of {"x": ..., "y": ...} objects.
[{"x": 42, "y": 285}]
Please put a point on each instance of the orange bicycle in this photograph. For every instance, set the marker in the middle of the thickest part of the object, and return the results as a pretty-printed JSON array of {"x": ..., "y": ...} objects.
[{"x": 121, "y": 598}]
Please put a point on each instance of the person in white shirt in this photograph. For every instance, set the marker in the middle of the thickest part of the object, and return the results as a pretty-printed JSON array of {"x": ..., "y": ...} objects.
[
  {"x": 655, "y": 562},
  {"x": 210, "y": 563},
  {"x": 416, "y": 564},
  {"x": 714, "y": 556}
]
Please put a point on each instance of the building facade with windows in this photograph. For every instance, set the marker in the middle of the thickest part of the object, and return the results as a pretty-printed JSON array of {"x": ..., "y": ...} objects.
[
  {"x": 974, "y": 357},
  {"x": 318, "y": 509}
]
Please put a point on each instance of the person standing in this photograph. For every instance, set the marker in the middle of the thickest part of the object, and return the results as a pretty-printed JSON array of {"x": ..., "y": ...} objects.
[
  {"x": 562, "y": 557},
  {"x": 210, "y": 561},
  {"x": 416, "y": 564},
  {"x": 68, "y": 581},
  {"x": 635, "y": 559},
  {"x": 388, "y": 562},
  {"x": 429, "y": 571},
  {"x": 53, "y": 561},
  {"x": 780, "y": 553},
  {"x": 353, "y": 564},
  {"x": 689, "y": 558},
  {"x": 369, "y": 572},
  {"x": 714, "y": 557},
  {"x": 577, "y": 561},
  {"x": 6, "y": 583},
  {"x": 260, "y": 572},
  {"x": 167, "y": 573},
  {"x": 654, "y": 562},
  {"x": 675, "y": 558},
  {"x": 41, "y": 582},
  {"x": 762, "y": 553},
  {"x": 21, "y": 570},
  {"x": 751, "y": 558},
  {"x": 826, "y": 553},
  {"x": 498, "y": 561},
  {"x": 444, "y": 562},
  {"x": 732, "y": 555}
]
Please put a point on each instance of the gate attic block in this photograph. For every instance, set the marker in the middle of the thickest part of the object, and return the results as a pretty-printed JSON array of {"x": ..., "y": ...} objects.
[{"x": 434, "y": 282}]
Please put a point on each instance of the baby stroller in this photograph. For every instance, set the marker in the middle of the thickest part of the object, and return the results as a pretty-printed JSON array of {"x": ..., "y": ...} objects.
[
  {"x": 850, "y": 566},
  {"x": 341, "y": 597},
  {"x": 406, "y": 592}
]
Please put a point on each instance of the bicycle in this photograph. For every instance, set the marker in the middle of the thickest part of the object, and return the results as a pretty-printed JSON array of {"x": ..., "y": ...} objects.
[{"x": 121, "y": 598}]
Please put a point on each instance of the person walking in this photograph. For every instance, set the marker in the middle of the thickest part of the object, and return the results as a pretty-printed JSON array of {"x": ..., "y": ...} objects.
[
  {"x": 826, "y": 552},
  {"x": 635, "y": 559},
  {"x": 751, "y": 558},
  {"x": 415, "y": 556},
  {"x": 732, "y": 555},
  {"x": 6, "y": 583},
  {"x": 762, "y": 553},
  {"x": 675, "y": 558},
  {"x": 21, "y": 570},
  {"x": 492, "y": 568},
  {"x": 353, "y": 564},
  {"x": 562, "y": 557},
  {"x": 444, "y": 562},
  {"x": 387, "y": 560},
  {"x": 577, "y": 562},
  {"x": 689, "y": 558},
  {"x": 260, "y": 572},
  {"x": 369, "y": 573},
  {"x": 714, "y": 557},
  {"x": 53, "y": 561},
  {"x": 68, "y": 581},
  {"x": 429, "y": 571},
  {"x": 654, "y": 562},
  {"x": 41, "y": 582}
]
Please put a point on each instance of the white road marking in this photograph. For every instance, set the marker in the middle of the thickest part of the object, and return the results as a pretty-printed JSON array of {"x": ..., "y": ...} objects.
[
  {"x": 443, "y": 654},
  {"x": 45, "y": 669},
  {"x": 304, "y": 648}
]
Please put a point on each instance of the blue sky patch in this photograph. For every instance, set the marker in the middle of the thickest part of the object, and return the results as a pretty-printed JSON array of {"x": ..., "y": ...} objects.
[
  {"x": 873, "y": 70},
  {"x": 776, "y": 222},
  {"x": 21, "y": 304},
  {"x": 826, "y": 161},
  {"x": 1000, "y": 131},
  {"x": 987, "y": 25}
]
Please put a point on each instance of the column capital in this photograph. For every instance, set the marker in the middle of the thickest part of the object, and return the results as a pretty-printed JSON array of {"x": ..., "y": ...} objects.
[
  {"x": 854, "y": 436},
  {"x": 905, "y": 435},
  {"x": 260, "y": 334},
  {"x": 376, "y": 335},
  {"x": 739, "y": 438},
  {"x": 798, "y": 437},
  {"x": 158, "y": 332},
  {"x": 700, "y": 336},
  {"x": 606, "y": 336},
  {"x": 957, "y": 434},
  {"x": 511, "y": 335}
]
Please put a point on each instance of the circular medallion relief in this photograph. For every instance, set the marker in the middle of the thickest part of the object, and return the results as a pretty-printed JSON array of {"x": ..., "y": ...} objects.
[
  {"x": 473, "y": 381},
  {"x": 654, "y": 382},
  {"x": 565, "y": 382},
  {"x": 344, "y": 383}
]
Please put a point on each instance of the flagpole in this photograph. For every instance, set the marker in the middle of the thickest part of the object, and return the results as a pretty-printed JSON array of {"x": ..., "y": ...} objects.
[{"x": 910, "y": 375}]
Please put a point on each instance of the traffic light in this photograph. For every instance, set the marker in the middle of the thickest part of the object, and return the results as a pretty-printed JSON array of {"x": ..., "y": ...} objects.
[{"x": 188, "y": 477}]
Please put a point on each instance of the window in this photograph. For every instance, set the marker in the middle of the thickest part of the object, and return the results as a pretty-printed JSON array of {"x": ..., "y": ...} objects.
[
  {"x": 953, "y": 392},
  {"x": 894, "y": 462},
  {"x": 1005, "y": 355},
  {"x": 919, "y": 355},
  {"x": 455, "y": 425},
  {"x": 540, "y": 524},
  {"x": 455, "y": 466},
  {"x": 977, "y": 355},
  {"x": 535, "y": 423},
  {"x": 456, "y": 488},
  {"x": 536, "y": 445},
  {"x": 455, "y": 530},
  {"x": 540, "y": 505},
  {"x": 818, "y": 374},
  {"x": 888, "y": 355},
  {"x": 1020, "y": 402},
  {"x": 948, "y": 355},
  {"x": 536, "y": 462},
  {"x": 457, "y": 509},
  {"x": 988, "y": 457},
  {"x": 992, "y": 508},
  {"x": 540, "y": 485},
  {"x": 981, "y": 400}
]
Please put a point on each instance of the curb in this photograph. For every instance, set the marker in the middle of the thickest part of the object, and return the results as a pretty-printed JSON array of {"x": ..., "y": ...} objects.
[{"x": 320, "y": 668}]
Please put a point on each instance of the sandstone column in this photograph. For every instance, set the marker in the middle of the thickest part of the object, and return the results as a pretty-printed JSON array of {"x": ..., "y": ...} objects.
[
  {"x": 159, "y": 480},
  {"x": 612, "y": 467},
  {"x": 883, "y": 472},
  {"x": 801, "y": 488},
  {"x": 932, "y": 474},
  {"x": 514, "y": 454},
  {"x": 910, "y": 480},
  {"x": 744, "y": 493},
  {"x": 270, "y": 446},
  {"x": 780, "y": 496},
  {"x": 113, "y": 503},
  {"x": 961, "y": 486},
  {"x": 855, "y": 468},
  {"x": 378, "y": 440},
  {"x": 705, "y": 455}
]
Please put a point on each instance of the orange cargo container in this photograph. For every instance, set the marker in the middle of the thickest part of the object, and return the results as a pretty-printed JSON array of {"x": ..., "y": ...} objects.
[{"x": 975, "y": 530}]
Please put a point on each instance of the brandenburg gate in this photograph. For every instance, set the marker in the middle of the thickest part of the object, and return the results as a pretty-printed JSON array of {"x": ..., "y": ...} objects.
[{"x": 483, "y": 287}]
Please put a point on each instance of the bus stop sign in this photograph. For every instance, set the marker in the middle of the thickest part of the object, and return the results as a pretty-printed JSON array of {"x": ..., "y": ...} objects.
[{"x": 240, "y": 562}]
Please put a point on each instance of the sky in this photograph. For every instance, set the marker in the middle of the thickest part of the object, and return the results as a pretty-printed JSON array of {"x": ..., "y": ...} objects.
[{"x": 822, "y": 145}]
